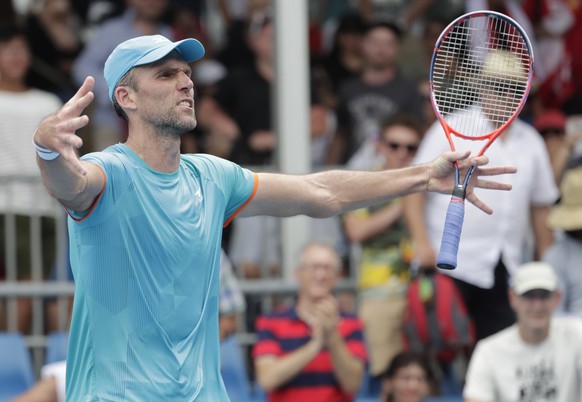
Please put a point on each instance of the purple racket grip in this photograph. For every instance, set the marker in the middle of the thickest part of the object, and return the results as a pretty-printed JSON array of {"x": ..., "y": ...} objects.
[{"x": 447, "y": 258}]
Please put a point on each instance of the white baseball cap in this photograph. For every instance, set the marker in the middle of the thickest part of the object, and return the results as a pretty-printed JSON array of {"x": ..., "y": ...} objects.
[{"x": 534, "y": 275}]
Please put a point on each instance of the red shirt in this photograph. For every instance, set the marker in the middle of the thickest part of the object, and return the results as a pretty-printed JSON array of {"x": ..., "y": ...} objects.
[{"x": 283, "y": 332}]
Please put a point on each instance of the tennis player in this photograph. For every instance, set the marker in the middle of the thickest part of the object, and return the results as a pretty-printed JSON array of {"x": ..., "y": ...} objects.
[{"x": 145, "y": 226}]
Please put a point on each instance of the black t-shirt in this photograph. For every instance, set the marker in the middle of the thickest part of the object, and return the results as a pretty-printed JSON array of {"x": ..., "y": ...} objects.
[
  {"x": 246, "y": 97},
  {"x": 363, "y": 109}
]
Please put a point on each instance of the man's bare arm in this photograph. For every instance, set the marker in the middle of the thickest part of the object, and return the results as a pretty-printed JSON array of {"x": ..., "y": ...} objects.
[
  {"x": 328, "y": 193},
  {"x": 273, "y": 371},
  {"x": 542, "y": 232}
]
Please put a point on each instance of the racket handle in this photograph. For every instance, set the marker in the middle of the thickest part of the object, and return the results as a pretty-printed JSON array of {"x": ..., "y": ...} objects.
[{"x": 447, "y": 258}]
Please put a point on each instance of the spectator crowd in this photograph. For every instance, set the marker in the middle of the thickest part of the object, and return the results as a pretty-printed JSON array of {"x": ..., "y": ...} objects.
[{"x": 369, "y": 109}]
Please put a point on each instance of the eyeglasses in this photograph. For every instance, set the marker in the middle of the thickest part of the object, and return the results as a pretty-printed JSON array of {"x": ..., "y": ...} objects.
[
  {"x": 313, "y": 267},
  {"x": 410, "y": 148}
]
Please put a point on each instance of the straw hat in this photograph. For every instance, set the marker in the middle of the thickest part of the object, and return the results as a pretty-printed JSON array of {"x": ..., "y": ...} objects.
[
  {"x": 567, "y": 214},
  {"x": 503, "y": 63}
]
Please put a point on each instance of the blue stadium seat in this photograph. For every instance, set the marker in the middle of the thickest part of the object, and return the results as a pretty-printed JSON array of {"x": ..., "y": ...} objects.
[
  {"x": 234, "y": 371},
  {"x": 56, "y": 348},
  {"x": 370, "y": 387},
  {"x": 16, "y": 374}
]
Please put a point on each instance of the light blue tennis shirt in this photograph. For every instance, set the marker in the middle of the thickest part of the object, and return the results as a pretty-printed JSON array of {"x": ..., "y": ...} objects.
[{"x": 146, "y": 264}]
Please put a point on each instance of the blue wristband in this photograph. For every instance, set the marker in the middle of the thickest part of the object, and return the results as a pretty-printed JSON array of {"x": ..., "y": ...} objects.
[{"x": 45, "y": 153}]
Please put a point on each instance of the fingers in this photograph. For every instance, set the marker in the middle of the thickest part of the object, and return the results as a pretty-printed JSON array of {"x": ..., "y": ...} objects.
[
  {"x": 82, "y": 98},
  {"x": 496, "y": 170},
  {"x": 492, "y": 185},
  {"x": 71, "y": 156},
  {"x": 455, "y": 156},
  {"x": 57, "y": 131},
  {"x": 76, "y": 123},
  {"x": 473, "y": 199},
  {"x": 84, "y": 89}
]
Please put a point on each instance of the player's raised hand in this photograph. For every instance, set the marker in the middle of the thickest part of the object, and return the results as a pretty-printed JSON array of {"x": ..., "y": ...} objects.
[
  {"x": 57, "y": 132},
  {"x": 441, "y": 175}
]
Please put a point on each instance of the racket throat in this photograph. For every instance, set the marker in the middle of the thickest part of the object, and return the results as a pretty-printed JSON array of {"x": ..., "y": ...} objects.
[{"x": 459, "y": 192}]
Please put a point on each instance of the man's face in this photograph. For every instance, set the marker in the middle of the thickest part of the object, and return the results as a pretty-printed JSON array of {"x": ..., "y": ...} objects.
[
  {"x": 318, "y": 272},
  {"x": 164, "y": 97},
  {"x": 534, "y": 309},
  {"x": 380, "y": 47},
  {"x": 14, "y": 59}
]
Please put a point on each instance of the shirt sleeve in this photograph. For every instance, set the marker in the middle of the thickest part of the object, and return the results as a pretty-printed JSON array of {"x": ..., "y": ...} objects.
[
  {"x": 353, "y": 332},
  {"x": 238, "y": 184},
  {"x": 267, "y": 343},
  {"x": 545, "y": 191},
  {"x": 478, "y": 381}
]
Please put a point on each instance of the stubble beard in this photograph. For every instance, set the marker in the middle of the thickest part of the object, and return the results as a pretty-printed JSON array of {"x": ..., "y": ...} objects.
[{"x": 172, "y": 124}]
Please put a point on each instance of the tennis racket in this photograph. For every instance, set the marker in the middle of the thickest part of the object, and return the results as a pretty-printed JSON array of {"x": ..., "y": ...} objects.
[{"x": 480, "y": 77}]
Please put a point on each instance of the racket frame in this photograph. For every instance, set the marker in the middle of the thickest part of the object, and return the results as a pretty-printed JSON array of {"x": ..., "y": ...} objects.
[{"x": 447, "y": 259}]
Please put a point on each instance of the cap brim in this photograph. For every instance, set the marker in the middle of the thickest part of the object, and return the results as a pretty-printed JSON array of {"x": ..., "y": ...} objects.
[
  {"x": 534, "y": 285},
  {"x": 190, "y": 49}
]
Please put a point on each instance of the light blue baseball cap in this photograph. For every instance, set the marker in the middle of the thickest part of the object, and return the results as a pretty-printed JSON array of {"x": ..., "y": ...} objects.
[{"x": 145, "y": 50}]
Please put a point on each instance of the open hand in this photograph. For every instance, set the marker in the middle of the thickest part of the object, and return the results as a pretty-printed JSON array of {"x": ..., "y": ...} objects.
[
  {"x": 441, "y": 177},
  {"x": 57, "y": 132}
]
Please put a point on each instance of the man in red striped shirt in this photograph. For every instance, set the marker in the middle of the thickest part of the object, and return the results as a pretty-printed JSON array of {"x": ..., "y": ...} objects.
[{"x": 311, "y": 351}]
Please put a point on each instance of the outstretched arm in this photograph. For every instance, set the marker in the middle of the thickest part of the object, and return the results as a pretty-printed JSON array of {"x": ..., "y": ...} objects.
[
  {"x": 73, "y": 182},
  {"x": 328, "y": 193}
]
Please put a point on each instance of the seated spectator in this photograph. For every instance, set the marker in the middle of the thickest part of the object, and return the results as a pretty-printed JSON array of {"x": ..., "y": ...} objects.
[
  {"x": 552, "y": 126},
  {"x": 385, "y": 250},
  {"x": 537, "y": 359},
  {"x": 311, "y": 351},
  {"x": 565, "y": 254},
  {"x": 408, "y": 378}
]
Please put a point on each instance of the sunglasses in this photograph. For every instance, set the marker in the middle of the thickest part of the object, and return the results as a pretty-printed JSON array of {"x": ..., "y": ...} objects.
[
  {"x": 552, "y": 132},
  {"x": 410, "y": 148}
]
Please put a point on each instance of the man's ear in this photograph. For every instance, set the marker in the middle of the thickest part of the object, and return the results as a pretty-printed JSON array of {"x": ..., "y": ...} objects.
[{"x": 124, "y": 97}]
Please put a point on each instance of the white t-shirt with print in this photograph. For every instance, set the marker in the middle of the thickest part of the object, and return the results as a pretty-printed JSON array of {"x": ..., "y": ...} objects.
[{"x": 504, "y": 368}]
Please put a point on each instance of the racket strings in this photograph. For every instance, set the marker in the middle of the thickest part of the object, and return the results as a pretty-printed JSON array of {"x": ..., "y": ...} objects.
[{"x": 480, "y": 75}]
